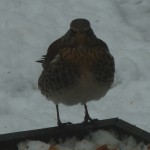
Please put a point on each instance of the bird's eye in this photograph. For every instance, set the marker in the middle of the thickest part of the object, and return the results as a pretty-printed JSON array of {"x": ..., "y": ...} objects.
[{"x": 89, "y": 32}]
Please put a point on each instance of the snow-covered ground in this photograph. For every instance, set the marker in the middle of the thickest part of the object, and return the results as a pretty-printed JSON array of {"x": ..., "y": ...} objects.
[{"x": 27, "y": 27}]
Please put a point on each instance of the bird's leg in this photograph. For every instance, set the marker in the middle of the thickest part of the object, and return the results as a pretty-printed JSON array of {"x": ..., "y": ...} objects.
[
  {"x": 58, "y": 117},
  {"x": 87, "y": 118},
  {"x": 59, "y": 123}
]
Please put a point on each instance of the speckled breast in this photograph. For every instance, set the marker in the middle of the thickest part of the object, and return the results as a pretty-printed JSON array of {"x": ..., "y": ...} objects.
[{"x": 73, "y": 65}]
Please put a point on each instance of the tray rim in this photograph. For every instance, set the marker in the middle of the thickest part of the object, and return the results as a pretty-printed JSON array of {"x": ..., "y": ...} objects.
[{"x": 10, "y": 140}]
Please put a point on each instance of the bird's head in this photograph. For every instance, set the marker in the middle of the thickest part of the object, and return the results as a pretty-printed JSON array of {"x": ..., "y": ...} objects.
[{"x": 80, "y": 33}]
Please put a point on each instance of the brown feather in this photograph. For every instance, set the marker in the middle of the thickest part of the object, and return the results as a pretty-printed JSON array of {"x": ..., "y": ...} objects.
[{"x": 52, "y": 51}]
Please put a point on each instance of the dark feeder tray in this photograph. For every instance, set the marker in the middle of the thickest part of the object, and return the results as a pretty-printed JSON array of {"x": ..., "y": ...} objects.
[{"x": 9, "y": 141}]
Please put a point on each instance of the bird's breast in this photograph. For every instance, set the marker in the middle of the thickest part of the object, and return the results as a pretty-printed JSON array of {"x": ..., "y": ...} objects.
[
  {"x": 83, "y": 58},
  {"x": 78, "y": 75}
]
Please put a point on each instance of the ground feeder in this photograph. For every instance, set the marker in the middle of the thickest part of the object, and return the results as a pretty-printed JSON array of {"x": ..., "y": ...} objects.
[{"x": 9, "y": 141}]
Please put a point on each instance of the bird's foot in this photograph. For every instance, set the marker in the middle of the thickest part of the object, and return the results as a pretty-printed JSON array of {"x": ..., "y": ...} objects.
[
  {"x": 62, "y": 125},
  {"x": 88, "y": 121}
]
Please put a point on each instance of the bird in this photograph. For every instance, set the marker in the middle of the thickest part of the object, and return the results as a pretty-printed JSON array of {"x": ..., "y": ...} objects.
[{"x": 77, "y": 68}]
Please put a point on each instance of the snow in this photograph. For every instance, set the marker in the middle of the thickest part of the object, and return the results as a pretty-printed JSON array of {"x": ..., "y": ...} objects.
[
  {"x": 26, "y": 30},
  {"x": 94, "y": 141}
]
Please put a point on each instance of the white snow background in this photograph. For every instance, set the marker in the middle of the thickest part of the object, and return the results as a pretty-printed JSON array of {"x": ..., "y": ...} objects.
[{"x": 28, "y": 27}]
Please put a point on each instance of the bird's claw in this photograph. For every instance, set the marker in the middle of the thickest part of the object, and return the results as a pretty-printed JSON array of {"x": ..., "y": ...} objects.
[
  {"x": 61, "y": 125},
  {"x": 90, "y": 122}
]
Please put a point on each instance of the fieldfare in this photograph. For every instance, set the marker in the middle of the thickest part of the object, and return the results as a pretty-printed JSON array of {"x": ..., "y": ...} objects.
[{"x": 77, "y": 68}]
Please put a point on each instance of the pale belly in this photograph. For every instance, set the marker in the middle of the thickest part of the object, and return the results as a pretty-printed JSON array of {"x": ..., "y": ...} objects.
[{"x": 86, "y": 89}]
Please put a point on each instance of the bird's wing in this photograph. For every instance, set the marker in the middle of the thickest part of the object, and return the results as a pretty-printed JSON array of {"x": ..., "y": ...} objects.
[
  {"x": 52, "y": 51},
  {"x": 102, "y": 44}
]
